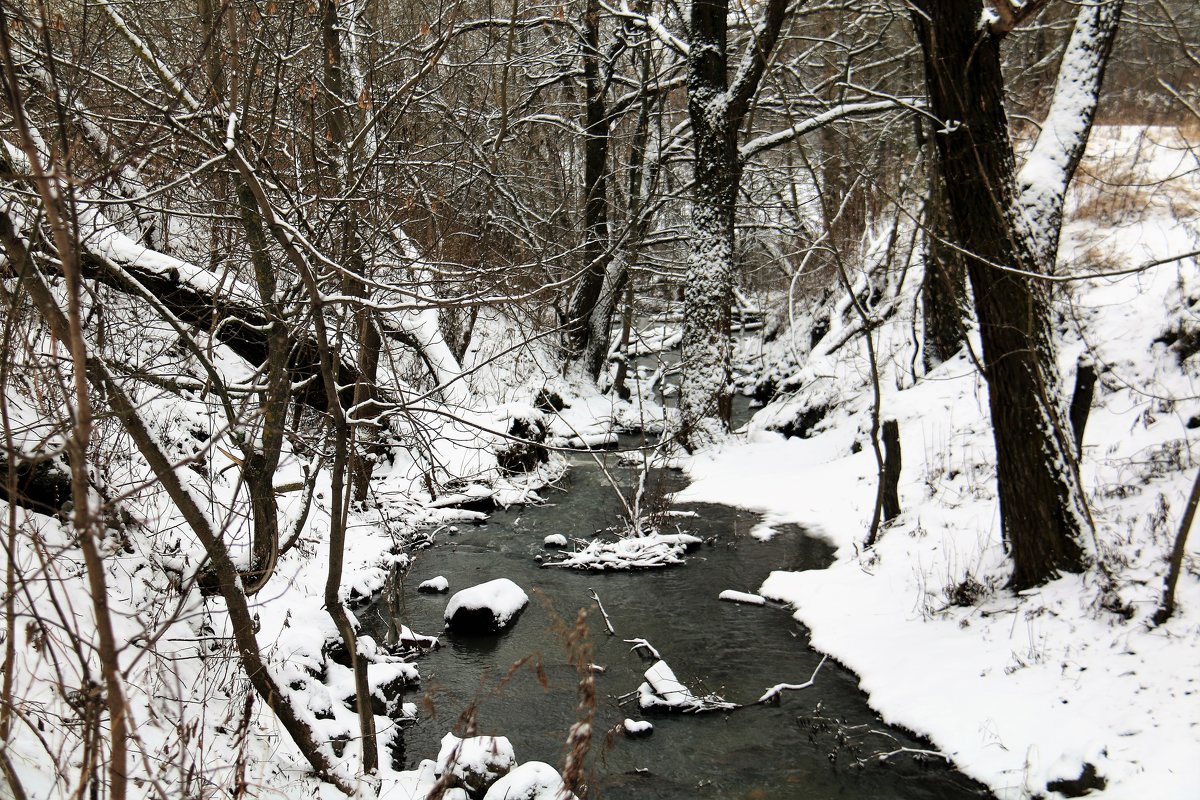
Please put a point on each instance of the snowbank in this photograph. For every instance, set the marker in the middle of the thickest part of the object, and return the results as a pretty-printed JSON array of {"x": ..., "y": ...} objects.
[{"x": 1020, "y": 691}]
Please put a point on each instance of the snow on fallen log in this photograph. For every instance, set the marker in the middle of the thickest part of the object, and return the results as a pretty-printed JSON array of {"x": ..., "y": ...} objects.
[
  {"x": 742, "y": 597},
  {"x": 594, "y": 441},
  {"x": 475, "y": 497},
  {"x": 650, "y": 551},
  {"x": 663, "y": 690},
  {"x": 408, "y": 638}
]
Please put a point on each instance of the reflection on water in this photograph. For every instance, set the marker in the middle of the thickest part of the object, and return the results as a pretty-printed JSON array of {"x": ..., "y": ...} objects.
[{"x": 735, "y": 650}]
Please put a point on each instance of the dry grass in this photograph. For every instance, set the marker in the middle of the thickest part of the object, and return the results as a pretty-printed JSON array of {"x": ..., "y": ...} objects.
[{"x": 1127, "y": 174}]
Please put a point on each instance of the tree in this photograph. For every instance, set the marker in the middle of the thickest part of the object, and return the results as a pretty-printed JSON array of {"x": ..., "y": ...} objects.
[
  {"x": 1008, "y": 223},
  {"x": 717, "y": 106}
]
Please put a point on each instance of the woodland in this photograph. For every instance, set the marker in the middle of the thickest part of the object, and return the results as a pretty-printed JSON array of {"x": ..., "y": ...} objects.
[{"x": 293, "y": 289}]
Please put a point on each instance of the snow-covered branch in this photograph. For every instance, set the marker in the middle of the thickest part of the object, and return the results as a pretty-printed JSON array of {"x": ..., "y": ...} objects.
[
  {"x": 778, "y": 689},
  {"x": 1042, "y": 182},
  {"x": 770, "y": 140}
]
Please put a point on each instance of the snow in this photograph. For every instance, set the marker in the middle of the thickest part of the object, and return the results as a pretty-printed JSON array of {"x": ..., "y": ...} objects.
[
  {"x": 734, "y": 596},
  {"x": 438, "y": 584},
  {"x": 500, "y": 596},
  {"x": 533, "y": 780},
  {"x": 1020, "y": 690},
  {"x": 555, "y": 540}
]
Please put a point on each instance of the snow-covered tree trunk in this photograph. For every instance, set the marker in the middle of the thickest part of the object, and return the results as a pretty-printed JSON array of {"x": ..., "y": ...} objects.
[
  {"x": 716, "y": 107},
  {"x": 1042, "y": 507}
]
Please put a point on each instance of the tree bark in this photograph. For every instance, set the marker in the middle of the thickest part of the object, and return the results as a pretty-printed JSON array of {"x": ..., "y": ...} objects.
[
  {"x": 704, "y": 403},
  {"x": 716, "y": 108},
  {"x": 587, "y": 292},
  {"x": 1041, "y": 503},
  {"x": 944, "y": 286}
]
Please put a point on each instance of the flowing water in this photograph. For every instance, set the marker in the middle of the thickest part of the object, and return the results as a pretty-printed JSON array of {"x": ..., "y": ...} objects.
[{"x": 805, "y": 747}]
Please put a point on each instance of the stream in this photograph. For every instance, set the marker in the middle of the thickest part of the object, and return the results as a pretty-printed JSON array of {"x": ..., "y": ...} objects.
[{"x": 807, "y": 746}]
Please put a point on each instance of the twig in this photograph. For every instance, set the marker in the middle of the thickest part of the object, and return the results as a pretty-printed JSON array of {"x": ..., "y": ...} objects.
[
  {"x": 643, "y": 643},
  {"x": 607, "y": 622},
  {"x": 779, "y": 688}
]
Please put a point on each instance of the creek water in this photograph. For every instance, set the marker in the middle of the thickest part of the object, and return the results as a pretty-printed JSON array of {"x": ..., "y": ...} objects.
[{"x": 807, "y": 746}]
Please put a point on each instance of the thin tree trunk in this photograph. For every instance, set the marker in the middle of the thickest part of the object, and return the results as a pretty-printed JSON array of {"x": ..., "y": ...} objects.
[
  {"x": 944, "y": 286},
  {"x": 1081, "y": 399},
  {"x": 1189, "y": 515},
  {"x": 892, "y": 464}
]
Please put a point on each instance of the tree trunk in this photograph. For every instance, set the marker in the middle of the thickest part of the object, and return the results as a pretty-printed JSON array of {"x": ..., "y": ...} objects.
[
  {"x": 584, "y": 300},
  {"x": 1041, "y": 503},
  {"x": 704, "y": 403},
  {"x": 716, "y": 108},
  {"x": 350, "y": 472},
  {"x": 1081, "y": 399},
  {"x": 891, "y": 470},
  {"x": 944, "y": 286}
]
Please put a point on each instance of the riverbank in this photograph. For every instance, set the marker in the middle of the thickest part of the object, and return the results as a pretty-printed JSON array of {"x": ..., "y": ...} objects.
[{"x": 1023, "y": 691}]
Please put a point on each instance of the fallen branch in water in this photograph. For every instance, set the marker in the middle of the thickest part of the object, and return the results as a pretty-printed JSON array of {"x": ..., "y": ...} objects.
[
  {"x": 607, "y": 622},
  {"x": 644, "y": 644},
  {"x": 663, "y": 690},
  {"x": 913, "y": 751},
  {"x": 778, "y": 689}
]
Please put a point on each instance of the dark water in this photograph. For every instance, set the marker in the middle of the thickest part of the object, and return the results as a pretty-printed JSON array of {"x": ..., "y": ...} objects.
[{"x": 805, "y": 747}]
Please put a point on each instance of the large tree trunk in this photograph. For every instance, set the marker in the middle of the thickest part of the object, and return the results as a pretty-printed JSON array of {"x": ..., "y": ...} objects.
[
  {"x": 716, "y": 107},
  {"x": 704, "y": 401},
  {"x": 1041, "y": 503}
]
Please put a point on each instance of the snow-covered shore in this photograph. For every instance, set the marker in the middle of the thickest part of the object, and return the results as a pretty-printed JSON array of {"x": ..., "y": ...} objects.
[{"x": 1021, "y": 691}]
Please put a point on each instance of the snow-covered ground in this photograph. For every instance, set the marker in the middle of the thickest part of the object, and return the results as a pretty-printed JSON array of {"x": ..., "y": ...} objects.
[{"x": 1019, "y": 691}]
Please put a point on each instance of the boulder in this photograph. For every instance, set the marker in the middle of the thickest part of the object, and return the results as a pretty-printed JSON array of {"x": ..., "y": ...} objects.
[
  {"x": 533, "y": 780},
  {"x": 436, "y": 585},
  {"x": 487, "y": 608},
  {"x": 475, "y": 763},
  {"x": 637, "y": 729}
]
